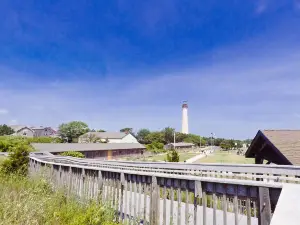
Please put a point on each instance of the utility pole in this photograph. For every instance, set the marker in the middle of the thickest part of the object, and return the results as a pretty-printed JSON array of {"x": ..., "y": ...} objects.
[{"x": 174, "y": 138}]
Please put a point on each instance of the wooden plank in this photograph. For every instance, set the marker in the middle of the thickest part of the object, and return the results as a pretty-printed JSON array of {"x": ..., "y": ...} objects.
[
  {"x": 264, "y": 217},
  {"x": 248, "y": 207},
  {"x": 135, "y": 198},
  {"x": 204, "y": 205},
  {"x": 164, "y": 205},
  {"x": 186, "y": 206},
  {"x": 145, "y": 187},
  {"x": 224, "y": 206},
  {"x": 172, "y": 205},
  {"x": 214, "y": 200},
  {"x": 179, "y": 206},
  {"x": 126, "y": 200},
  {"x": 122, "y": 183},
  {"x": 140, "y": 198},
  {"x": 235, "y": 206}
]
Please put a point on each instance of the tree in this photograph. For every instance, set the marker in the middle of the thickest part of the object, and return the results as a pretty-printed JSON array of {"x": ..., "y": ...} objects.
[
  {"x": 100, "y": 130},
  {"x": 225, "y": 145},
  {"x": 156, "y": 136},
  {"x": 155, "y": 147},
  {"x": 91, "y": 138},
  {"x": 17, "y": 162},
  {"x": 5, "y": 130},
  {"x": 126, "y": 130},
  {"x": 173, "y": 156},
  {"x": 73, "y": 154},
  {"x": 141, "y": 135},
  {"x": 168, "y": 135},
  {"x": 72, "y": 130}
]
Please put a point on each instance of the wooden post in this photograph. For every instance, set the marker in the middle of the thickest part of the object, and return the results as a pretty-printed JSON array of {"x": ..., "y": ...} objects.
[
  {"x": 264, "y": 217},
  {"x": 154, "y": 210}
]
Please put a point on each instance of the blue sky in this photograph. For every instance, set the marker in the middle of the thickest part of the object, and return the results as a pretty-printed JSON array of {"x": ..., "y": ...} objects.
[{"x": 131, "y": 63}]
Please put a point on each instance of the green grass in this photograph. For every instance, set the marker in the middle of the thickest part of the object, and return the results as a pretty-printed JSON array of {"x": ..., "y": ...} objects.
[
  {"x": 182, "y": 157},
  {"x": 32, "y": 202},
  {"x": 226, "y": 157},
  {"x": 2, "y": 158}
]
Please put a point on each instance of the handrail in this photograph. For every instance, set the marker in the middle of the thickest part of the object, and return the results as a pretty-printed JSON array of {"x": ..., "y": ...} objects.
[{"x": 278, "y": 173}]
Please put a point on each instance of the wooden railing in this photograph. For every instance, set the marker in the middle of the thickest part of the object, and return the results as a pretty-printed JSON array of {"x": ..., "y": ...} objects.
[
  {"x": 267, "y": 173},
  {"x": 154, "y": 194}
]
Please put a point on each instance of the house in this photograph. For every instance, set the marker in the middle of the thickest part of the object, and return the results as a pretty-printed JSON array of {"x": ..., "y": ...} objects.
[
  {"x": 109, "y": 137},
  {"x": 275, "y": 146},
  {"x": 22, "y": 131},
  {"x": 43, "y": 131},
  {"x": 179, "y": 145},
  {"x": 102, "y": 151}
]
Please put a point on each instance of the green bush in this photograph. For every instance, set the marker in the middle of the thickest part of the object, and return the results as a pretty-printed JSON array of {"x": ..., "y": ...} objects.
[
  {"x": 24, "y": 201},
  {"x": 173, "y": 156},
  {"x": 17, "y": 161},
  {"x": 156, "y": 147},
  {"x": 73, "y": 154}
]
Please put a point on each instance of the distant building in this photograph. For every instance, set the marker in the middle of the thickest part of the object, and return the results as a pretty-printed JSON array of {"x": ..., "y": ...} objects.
[
  {"x": 43, "y": 131},
  {"x": 20, "y": 130},
  {"x": 102, "y": 151},
  {"x": 179, "y": 145},
  {"x": 109, "y": 137},
  {"x": 276, "y": 147}
]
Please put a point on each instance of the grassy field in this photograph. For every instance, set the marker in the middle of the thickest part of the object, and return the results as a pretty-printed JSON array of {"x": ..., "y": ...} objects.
[
  {"x": 225, "y": 157},
  {"x": 162, "y": 157}
]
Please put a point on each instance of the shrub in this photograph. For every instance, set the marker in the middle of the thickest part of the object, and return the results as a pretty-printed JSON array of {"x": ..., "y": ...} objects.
[
  {"x": 17, "y": 161},
  {"x": 24, "y": 201},
  {"x": 173, "y": 156},
  {"x": 73, "y": 154},
  {"x": 155, "y": 147}
]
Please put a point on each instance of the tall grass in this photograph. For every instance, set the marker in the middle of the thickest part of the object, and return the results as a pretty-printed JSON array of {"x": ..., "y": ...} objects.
[{"x": 32, "y": 202}]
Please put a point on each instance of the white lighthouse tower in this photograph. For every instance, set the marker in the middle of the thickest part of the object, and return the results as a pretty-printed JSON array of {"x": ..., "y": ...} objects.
[{"x": 185, "y": 122}]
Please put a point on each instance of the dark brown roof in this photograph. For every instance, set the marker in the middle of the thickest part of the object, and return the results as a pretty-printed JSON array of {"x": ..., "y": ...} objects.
[{"x": 287, "y": 142}]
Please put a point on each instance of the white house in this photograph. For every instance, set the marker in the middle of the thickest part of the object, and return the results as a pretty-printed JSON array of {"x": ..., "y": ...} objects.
[
  {"x": 22, "y": 131},
  {"x": 110, "y": 137}
]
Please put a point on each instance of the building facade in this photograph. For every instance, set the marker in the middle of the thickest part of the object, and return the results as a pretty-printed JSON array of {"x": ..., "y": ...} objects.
[{"x": 109, "y": 137}]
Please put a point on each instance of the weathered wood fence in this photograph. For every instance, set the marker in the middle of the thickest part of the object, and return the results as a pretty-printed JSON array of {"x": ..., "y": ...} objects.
[{"x": 147, "y": 194}]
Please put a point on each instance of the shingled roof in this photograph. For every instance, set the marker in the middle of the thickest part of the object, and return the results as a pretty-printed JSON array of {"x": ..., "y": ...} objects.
[
  {"x": 285, "y": 143},
  {"x": 62, "y": 147},
  {"x": 104, "y": 135}
]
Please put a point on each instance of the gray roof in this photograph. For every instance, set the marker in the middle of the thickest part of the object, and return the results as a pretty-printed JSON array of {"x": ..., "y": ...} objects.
[
  {"x": 104, "y": 135},
  {"x": 63, "y": 147},
  {"x": 182, "y": 144},
  {"x": 16, "y": 128}
]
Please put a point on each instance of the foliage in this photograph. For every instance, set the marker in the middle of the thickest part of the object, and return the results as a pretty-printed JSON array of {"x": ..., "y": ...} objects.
[
  {"x": 195, "y": 139},
  {"x": 8, "y": 142},
  {"x": 100, "y": 130},
  {"x": 17, "y": 161},
  {"x": 155, "y": 147},
  {"x": 73, "y": 154},
  {"x": 172, "y": 156},
  {"x": 5, "y": 130},
  {"x": 168, "y": 135},
  {"x": 225, "y": 145},
  {"x": 72, "y": 130},
  {"x": 91, "y": 138},
  {"x": 155, "y": 136},
  {"x": 24, "y": 201},
  {"x": 141, "y": 135},
  {"x": 126, "y": 130}
]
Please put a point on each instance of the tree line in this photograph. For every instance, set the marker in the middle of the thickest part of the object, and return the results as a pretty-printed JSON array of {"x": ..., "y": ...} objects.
[{"x": 69, "y": 132}]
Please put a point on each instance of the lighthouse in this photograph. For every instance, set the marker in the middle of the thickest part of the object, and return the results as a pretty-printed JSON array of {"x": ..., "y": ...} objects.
[{"x": 185, "y": 122}]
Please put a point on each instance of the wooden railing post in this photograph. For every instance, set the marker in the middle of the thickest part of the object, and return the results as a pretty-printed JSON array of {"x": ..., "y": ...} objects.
[
  {"x": 154, "y": 210},
  {"x": 264, "y": 217}
]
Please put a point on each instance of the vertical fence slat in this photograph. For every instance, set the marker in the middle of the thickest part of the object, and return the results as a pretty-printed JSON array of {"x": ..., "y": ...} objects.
[
  {"x": 235, "y": 206},
  {"x": 264, "y": 206},
  {"x": 248, "y": 207},
  {"x": 164, "y": 204},
  {"x": 224, "y": 206},
  {"x": 214, "y": 201},
  {"x": 179, "y": 205},
  {"x": 204, "y": 205},
  {"x": 172, "y": 204}
]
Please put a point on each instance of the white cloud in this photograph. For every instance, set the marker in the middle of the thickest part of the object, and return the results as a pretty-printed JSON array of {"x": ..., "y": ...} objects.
[{"x": 3, "y": 111}]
